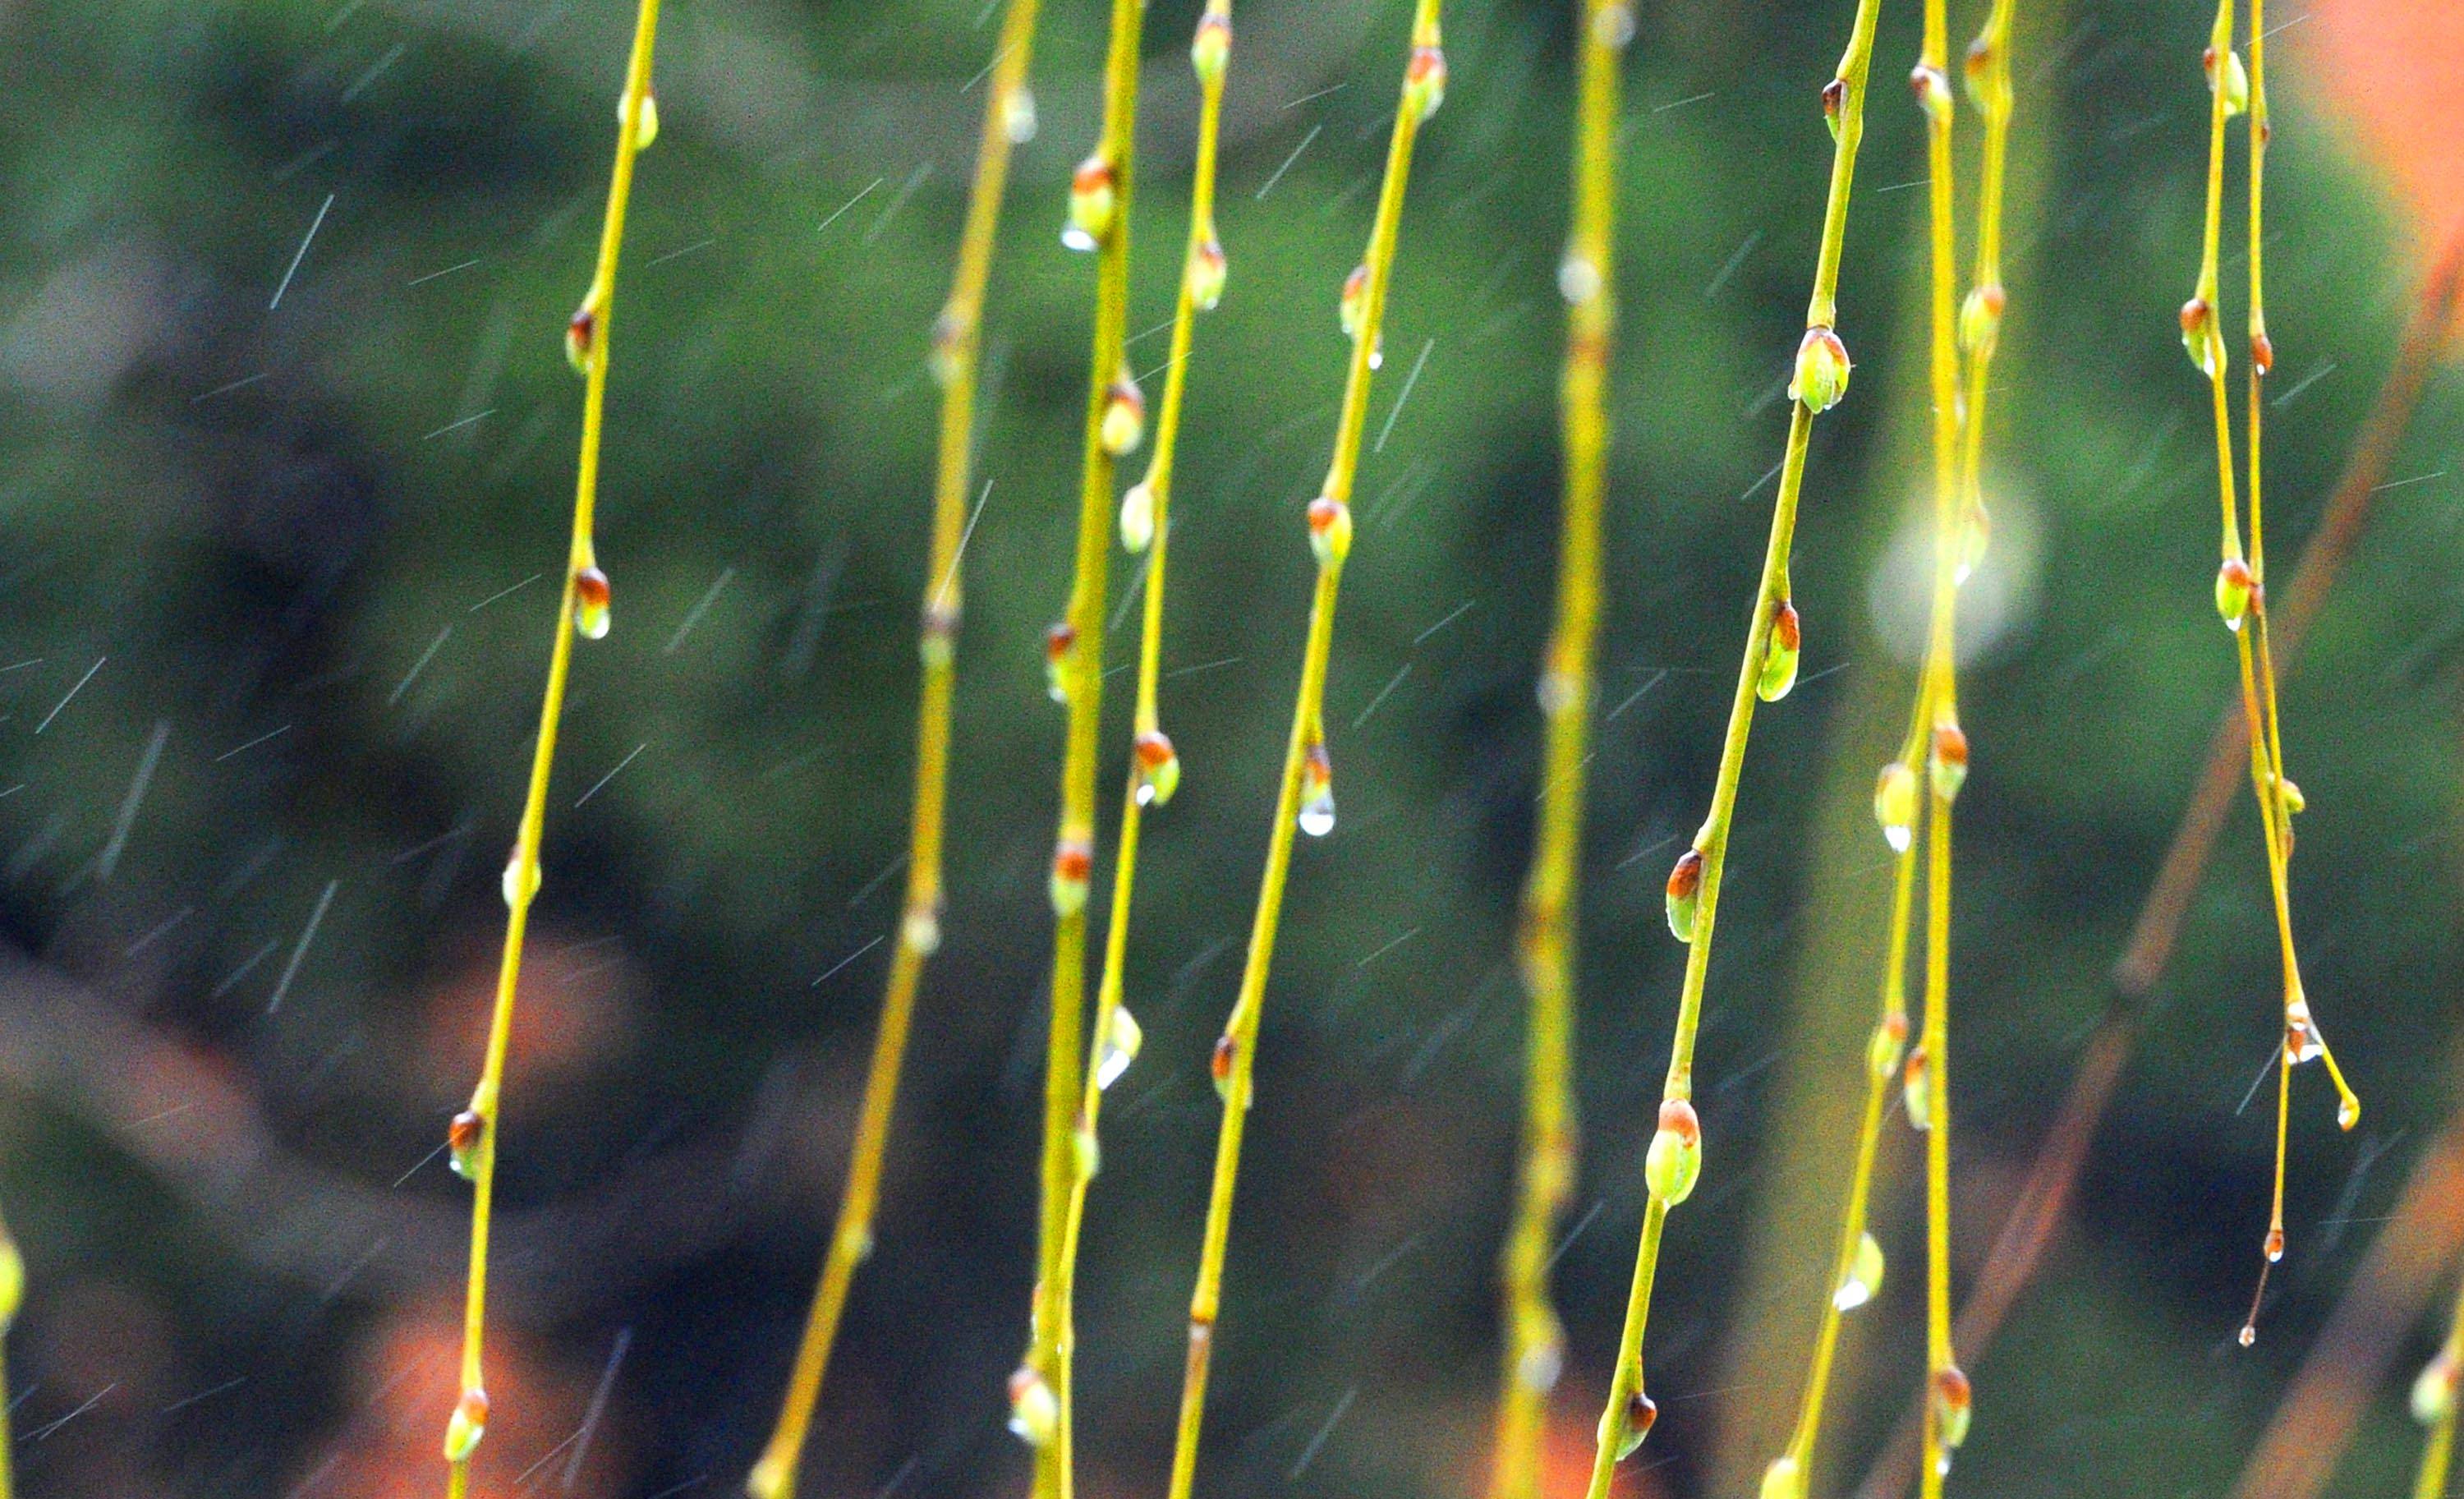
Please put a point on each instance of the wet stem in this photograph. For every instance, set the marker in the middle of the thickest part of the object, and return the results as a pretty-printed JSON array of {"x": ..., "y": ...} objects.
[
  {"x": 1236, "y": 1052},
  {"x": 956, "y": 357},
  {"x": 1625, "y": 1387}
]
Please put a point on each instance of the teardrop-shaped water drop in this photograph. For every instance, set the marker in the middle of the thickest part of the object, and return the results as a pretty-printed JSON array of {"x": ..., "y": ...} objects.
[{"x": 1121, "y": 1042}]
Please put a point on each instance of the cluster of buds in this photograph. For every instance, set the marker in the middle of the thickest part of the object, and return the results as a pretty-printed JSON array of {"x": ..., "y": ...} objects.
[
  {"x": 1894, "y": 804},
  {"x": 1822, "y": 368},
  {"x": 1933, "y": 94},
  {"x": 467, "y": 1423},
  {"x": 1094, "y": 202},
  {"x": 645, "y": 122},
  {"x": 2235, "y": 83},
  {"x": 1159, "y": 767},
  {"x": 1425, "y": 83},
  {"x": 581, "y": 332},
  {"x": 1034, "y": 1411},
  {"x": 1784, "y": 1479},
  {"x": 1685, "y": 894},
  {"x": 1073, "y": 862},
  {"x": 591, "y": 596},
  {"x": 462, "y": 1143},
  {"x": 1625, "y": 1428},
  {"x": 1124, "y": 423},
  {"x": 1059, "y": 641},
  {"x": 1317, "y": 790},
  {"x": 2200, "y": 338},
  {"x": 1947, "y": 767},
  {"x": 1122, "y": 1039},
  {"x": 1781, "y": 652},
  {"x": 1329, "y": 530},
  {"x": 1674, "y": 1162}
]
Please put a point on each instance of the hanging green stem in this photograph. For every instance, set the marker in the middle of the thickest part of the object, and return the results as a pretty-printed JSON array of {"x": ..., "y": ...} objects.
[
  {"x": 955, "y": 350},
  {"x": 1535, "y": 1343},
  {"x": 1305, "y": 795},
  {"x": 581, "y": 608},
  {"x": 1768, "y": 670}
]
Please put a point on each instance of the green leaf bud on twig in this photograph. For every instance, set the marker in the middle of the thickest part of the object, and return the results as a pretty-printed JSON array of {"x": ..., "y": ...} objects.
[
  {"x": 1674, "y": 1163},
  {"x": 1058, "y": 642},
  {"x": 467, "y": 1423},
  {"x": 1864, "y": 1275},
  {"x": 646, "y": 128},
  {"x": 1125, "y": 415},
  {"x": 1948, "y": 765},
  {"x": 2236, "y": 79},
  {"x": 1210, "y": 50},
  {"x": 1916, "y": 1089},
  {"x": 1834, "y": 94},
  {"x": 1954, "y": 1403},
  {"x": 1137, "y": 517},
  {"x": 1933, "y": 94},
  {"x": 1317, "y": 791},
  {"x": 2200, "y": 339},
  {"x": 1424, "y": 81},
  {"x": 582, "y": 333},
  {"x": 1889, "y": 1043},
  {"x": 591, "y": 596},
  {"x": 1329, "y": 529},
  {"x": 1633, "y": 1424},
  {"x": 1159, "y": 767},
  {"x": 1218, "y": 1065},
  {"x": 1894, "y": 804},
  {"x": 2262, "y": 351},
  {"x": 1073, "y": 861},
  {"x": 1208, "y": 270},
  {"x": 2434, "y": 1393},
  {"x": 1094, "y": 200},
  {"x": 462, "y": 1142},
  {"x": 2233, "y": 585},
  {"x": 1822, "y": 368},
  {"x": 1017, "y": 115},
  {"x": 1781, "y": 652},
  {"x": 521, "y": 878},
  {"x": 1980, "y": 319},
  {"x": 1034, "y": 1413},
  {"x": 1122, "y": 1039},
  {"x": 1685, "y": 894}
]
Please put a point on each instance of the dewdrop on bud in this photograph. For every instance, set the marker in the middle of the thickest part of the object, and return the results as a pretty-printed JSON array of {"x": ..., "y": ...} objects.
[
  {"x": 1633, "y": 1424},
  {"x": 2301, "y": 1034},
  {"x": 921, "y": 931},
  {"x": 521, "y": 880},
  {"x": 1835, "y": 93},
  {"x": 590, "y": 598},
  {"x": 462, "y": 1143},
  {"x": 1674, "y": 1162},
  {"x": 1953, "y": 1402},
  {"x": 2200, "y": 339},
  {"x": 1352, "y": 309},
  {"x": 466, "y": 1425},
  {"x": 13, "y": 1281},
  {"x": 2233, "y": 585},
  {"x": 1975, "y": 535},
  {"x": 1034, "y": 1414},
  {"x": 1159, "y": 767},
  {"x": 1916, "y": 1088},
  {"x": 1218, "y": 1065},
  {"x": 1894, "y": 804},
  {"x": 1210, "y": 51},
  {"x": 1057, "y": 642},
  {"x": 1125, "y": 416},
  {"x": 1781, "y": 652},
  {"x": 1784, "y": 1479},
  {"x": 1613, "y": 25},
  {"x": 1208, "y": 270},
  {"x": 1093, "y": 199},
  {"x": 2434, "y": 1393},
  {"x": 582, "y": 333},
  {"x": 1017, "y": 115},
  {"x": 1980, "y": 318},
  {"x": 1822, "y": 368},
  {"x": 1425, "y": 83},
  {"x": 1685, "y": 894},
  {"x": 1317, "y": 792},
  {"x": 1889, "y": 1042},
  {"x": 1329, "y": 529},
  {"x": 646, "y": 124},
  {"x": 1864, "y": 1276},
  {"x": 1578, "y": 278},
  {"x": 2348, "y": 1113},
  {"x": 1072, "y": 862},
  {"x": 1933, "y": 94},
  {"x": 2236, "y": 80},
  {"x": 1121, "y": 1042},
  {"x": 1948, "y": 765}
]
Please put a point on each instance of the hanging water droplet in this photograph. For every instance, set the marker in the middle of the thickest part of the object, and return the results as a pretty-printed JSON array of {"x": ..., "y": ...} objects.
[
  {"x": 1864, "y": 1276},
  {"x": 1137, "y": 517},
  {"x": 1121, "y": 1042},
  {"x": 1894, "y": 804},
  {"x": 1317, "y": 792},
  {"x": 1017, "y": 115},
  {"x": 1578, "y": 279},
  {"x": 521, "y": 879},
  {"x": 2349, "y": 1112}
]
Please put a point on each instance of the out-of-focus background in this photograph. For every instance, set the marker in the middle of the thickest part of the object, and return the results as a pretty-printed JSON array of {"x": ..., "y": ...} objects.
[{"x": 286, "y": 442}]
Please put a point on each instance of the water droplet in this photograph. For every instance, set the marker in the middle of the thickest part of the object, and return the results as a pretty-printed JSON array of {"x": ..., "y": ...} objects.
[
  {"x": 1578, "y": 279},
  {"x": 1017, "y": 115},
  {"x": 1121, "y": 1042},
  {"x": 1864, "y": 1276}
]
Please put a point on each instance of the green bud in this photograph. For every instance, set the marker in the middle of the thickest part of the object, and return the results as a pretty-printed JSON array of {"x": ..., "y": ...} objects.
[
  {"x": 2235, "y": 585},
  {"x": 1780, "y": 654},
  {"x": 1633, "y": 1424},
  {"x": 1674, "y": 1162},
  {"x": 1822, "y": 366},
  {"x": 1894, "y": 804},
  {"x": 1685, "y": 894}
]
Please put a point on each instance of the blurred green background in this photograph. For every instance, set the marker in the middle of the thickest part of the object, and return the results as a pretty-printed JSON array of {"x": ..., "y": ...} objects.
[{"x": 275, "y": 588}]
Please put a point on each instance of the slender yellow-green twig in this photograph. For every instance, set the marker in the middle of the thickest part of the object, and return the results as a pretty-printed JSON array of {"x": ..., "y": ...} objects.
[
  {"x": 1305, "y": 795},
  {"x": 1099, "y": 220},
  {"x": 1155, "y": 766},
  {"x": 2433, "y": 1403},
  {"x": 1534, "y": 1342},
  {"x": 2240, "y": 583},
  {"x": 12, "y": 1295},
  {"x": 1768, "y": 670},
  {"x": 1948, "y": 1407},
  {"x": 583, "y": 609},
  {"x": 955, "y": 358}
]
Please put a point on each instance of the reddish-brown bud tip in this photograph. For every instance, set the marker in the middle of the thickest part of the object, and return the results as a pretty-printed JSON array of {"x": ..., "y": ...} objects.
[
  {"x": 1220, "y": 1064},
  {"x": 1678, "y": 1117},
  {"x": 1686, "y": 878}
]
